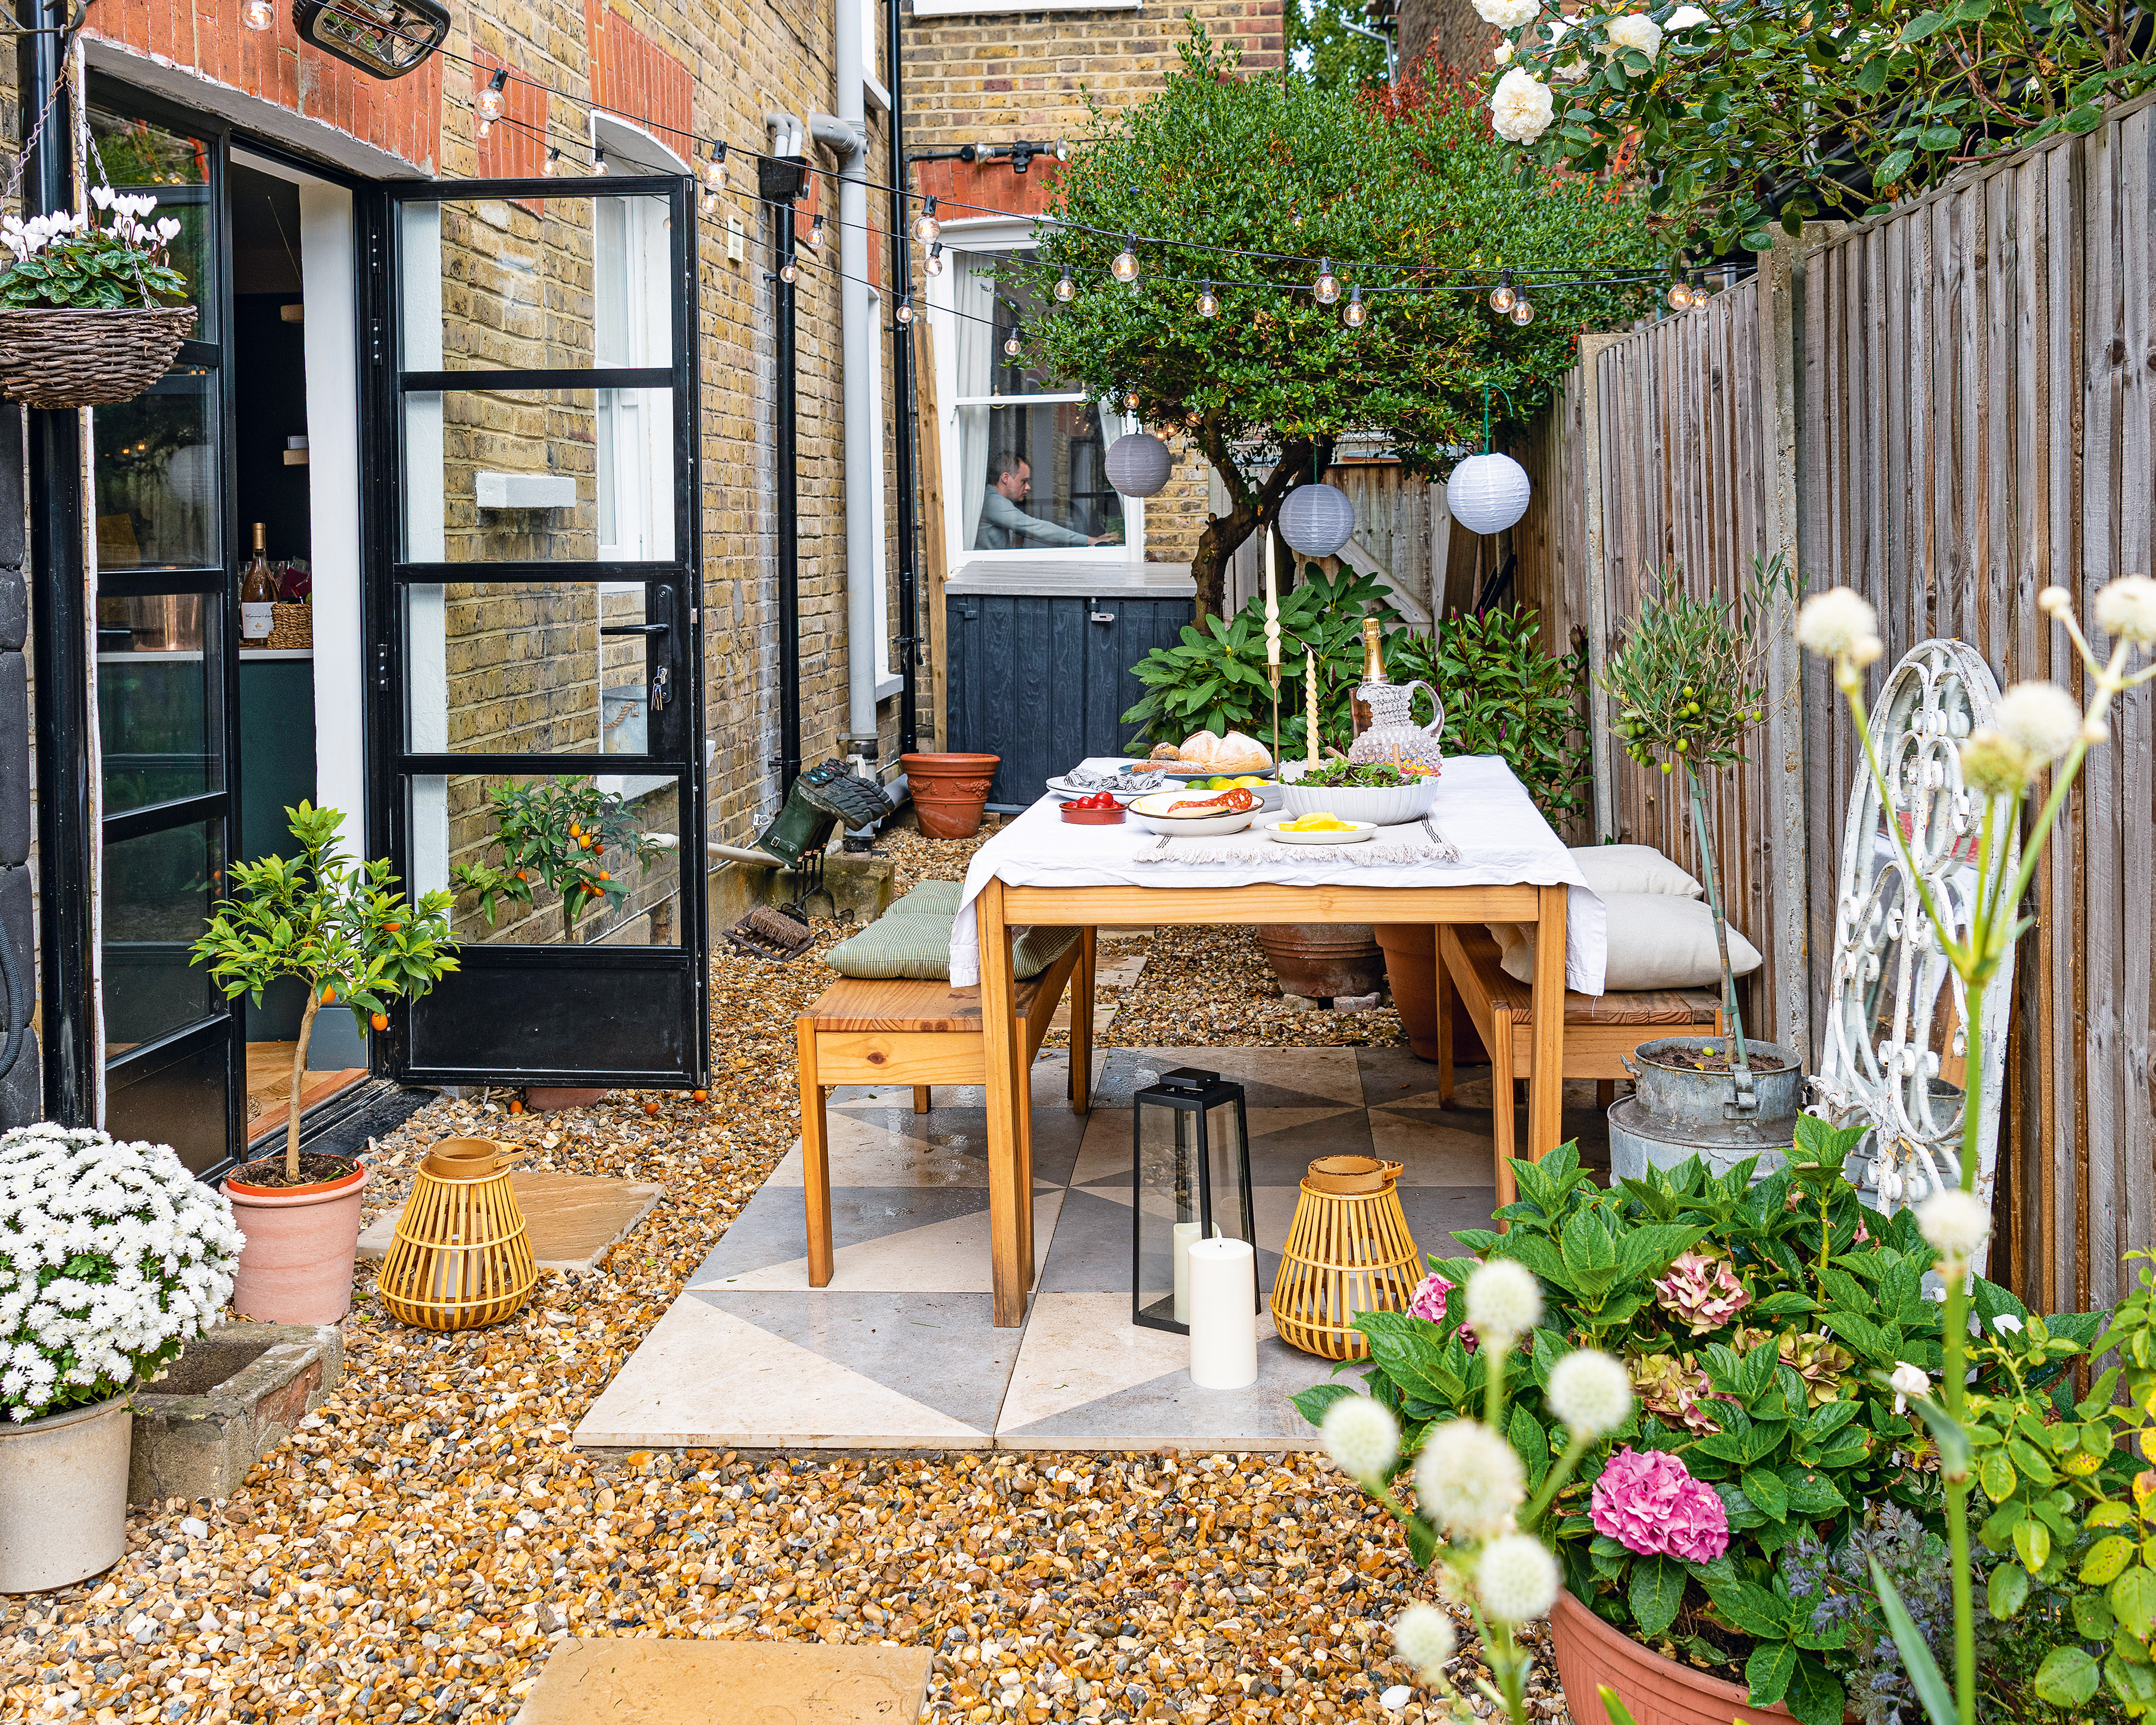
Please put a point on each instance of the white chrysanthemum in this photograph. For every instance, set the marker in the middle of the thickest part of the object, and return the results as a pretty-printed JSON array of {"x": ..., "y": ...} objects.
[
  {"x": 1831, "y": 623},
  {"x": 1993, "y": 764},
  {"x": 1469, "y": 1479},
  {"x": 1684, "y": 17},
  {"x": 2041, "y": 718},
  {"x": 1506, "y": 14},
  {"x": 1521, "y": 108},
  {"x": 1361, "y": 1436},
  {"x": 1636, "y": 30},
  {"x": 1504, "y": 1301},
  {"x": 1590, "y": 1391},
  {"x": 1503, "y": 54},
  {"x": 1425, "y": 1639},
  {"x": 2126, "y": 608},
  {"x": 1517, "y": 1578},
  {"x": 1955, "y": 1222}
]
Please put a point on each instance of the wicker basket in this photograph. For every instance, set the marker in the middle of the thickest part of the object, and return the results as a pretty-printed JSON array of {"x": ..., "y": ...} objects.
[
  {"x": 1346, "y": 1253},
  {"x": 460, "y": 1259},
  {"x": 290, "y": 626},
  {"x": 65, "y": 358}
]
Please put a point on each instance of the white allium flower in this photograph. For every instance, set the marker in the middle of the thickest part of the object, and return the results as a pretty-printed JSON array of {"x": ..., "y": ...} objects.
[
  {"x": 1590, "y": 1391},
  {"x": 1955, "y": 1222},
  {"x": 2127, "y": 609},
  {"x": 1684, "y": 17},
  {"x": 1523, "y": 107},
  {"x": 1469, "y": 1479},
  {"x": 2042, "y": 718},
  {"x": 1993, "y": 764},
  {"x": 2095, "y": 732},
  {"x": 1425, "y": 1639},
  {"x": 1636, "y": 30},
  {"x": 2007, "y": 1324},
  {"x": 1908, "y": 1380},
  {"x": 1516, "y": 1578},
  {"x": 1361, "y": 1436},
  {"x": 1503, "y": 54},
  {"x": 2053, "y": 600},
  {"x": 1504, "y": 1301},
  {"x": 1831, "y": 623},
  {"x": 1506, "y": 14}
]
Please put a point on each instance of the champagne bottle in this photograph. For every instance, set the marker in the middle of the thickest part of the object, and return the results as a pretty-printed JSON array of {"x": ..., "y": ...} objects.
[
  {"x": 258, "y": 595},
  {"x": 1373, "y": 671}
]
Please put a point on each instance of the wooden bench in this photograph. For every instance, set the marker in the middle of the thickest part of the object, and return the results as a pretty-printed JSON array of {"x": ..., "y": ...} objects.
[
  {"x": 1599, "y": 1029},
  {"x": 925, "y": 1034}
]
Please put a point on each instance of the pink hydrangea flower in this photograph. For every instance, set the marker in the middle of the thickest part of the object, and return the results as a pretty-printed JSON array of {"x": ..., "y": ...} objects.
[
  {"x": 1429, "y": 1302},
  {"x": 1701, "y": 1293},
  {"x": 1649, "y": 1503}
]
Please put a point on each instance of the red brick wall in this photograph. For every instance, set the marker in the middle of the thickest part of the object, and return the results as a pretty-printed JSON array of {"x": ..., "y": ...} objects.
[
  {"x": 516, "y": 147},
  {"x": 970, "y": 188},
  {"x": 637, "y": 78}
]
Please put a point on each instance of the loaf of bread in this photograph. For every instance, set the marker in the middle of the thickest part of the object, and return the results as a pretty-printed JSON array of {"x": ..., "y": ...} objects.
[{"x": 1235, "y": 752}]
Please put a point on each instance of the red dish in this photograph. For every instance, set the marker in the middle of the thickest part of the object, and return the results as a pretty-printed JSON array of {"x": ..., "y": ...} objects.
[{"x": 1089, "y": 813}]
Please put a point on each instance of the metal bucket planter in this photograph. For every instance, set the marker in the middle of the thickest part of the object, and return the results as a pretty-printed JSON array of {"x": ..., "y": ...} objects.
[
  {"x": 1676, "y": 1111},
  {"x": 64, "y": 1496}
]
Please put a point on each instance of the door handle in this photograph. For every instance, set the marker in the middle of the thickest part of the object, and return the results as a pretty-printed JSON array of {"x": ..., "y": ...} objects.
[{"x": 637, "y": 629}]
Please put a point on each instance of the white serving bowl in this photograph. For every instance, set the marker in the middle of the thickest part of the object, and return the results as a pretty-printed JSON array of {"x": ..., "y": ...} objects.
[
  {"x": 1145, "y": 812},
  {"x": 1388, "y": 806}
]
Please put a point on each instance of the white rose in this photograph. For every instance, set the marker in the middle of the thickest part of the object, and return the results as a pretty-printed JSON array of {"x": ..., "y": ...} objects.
[
  {"x": 1908, "y": 1380},
  {"x": 1685, "y": 17},
  {"x": 1506, "y": 14},
  {"x": 1503, "y": 54},
  {"x": 1636, "y": 30},
  {"x": 1521, "y": 108}
]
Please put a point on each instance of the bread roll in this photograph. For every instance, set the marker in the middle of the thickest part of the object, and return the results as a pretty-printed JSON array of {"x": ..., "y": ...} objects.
[{"x": 1235, "y": 752}]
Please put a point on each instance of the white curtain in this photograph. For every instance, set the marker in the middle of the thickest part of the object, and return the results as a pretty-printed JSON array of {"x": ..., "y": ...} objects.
[{"x": 974, "y": 349}]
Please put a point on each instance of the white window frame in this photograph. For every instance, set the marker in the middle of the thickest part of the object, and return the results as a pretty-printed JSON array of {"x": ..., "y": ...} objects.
[{"x": 1000, "y": 236}]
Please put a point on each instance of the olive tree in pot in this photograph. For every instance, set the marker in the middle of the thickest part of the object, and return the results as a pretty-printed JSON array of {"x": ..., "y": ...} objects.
[
  {"x": 112, "y": 1257},
  {"x": 342, "y": 928}
]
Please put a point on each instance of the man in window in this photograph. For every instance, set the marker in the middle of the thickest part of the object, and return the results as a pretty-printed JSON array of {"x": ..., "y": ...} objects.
[{"x": 1005, "y": 526}]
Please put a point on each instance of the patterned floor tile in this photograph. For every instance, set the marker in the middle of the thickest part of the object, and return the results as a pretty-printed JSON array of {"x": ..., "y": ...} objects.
[{"x": 947, "y": 1254}]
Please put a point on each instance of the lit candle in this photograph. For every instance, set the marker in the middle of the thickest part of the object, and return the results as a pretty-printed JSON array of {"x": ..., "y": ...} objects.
[{"x": 1310, "y": 689}]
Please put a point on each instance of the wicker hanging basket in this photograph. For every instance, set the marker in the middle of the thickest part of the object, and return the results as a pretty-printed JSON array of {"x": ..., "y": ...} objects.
[
  {"x": 1347, "y": 1252},
  {"x": 460, "y": 1259},
  {"x": 71, "y": 357}
]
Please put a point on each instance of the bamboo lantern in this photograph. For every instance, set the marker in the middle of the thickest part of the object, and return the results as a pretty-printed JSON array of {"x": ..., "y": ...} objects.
[
  {"x": 1348, "y": 1250},
  {"x": 460, "y": 1259}
]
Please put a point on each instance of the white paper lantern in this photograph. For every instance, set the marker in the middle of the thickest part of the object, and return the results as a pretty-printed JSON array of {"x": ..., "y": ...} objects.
[
  {"x": 1316, "y": 520},
  {"x": 1138, "y": 464},
  {"x": 1486, "y": 494}
]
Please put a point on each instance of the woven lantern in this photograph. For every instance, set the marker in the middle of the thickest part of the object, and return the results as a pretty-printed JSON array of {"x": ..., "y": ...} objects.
[
  {"x": 460, "y": 1259},
  {"x": 1316, "y": 520},
  {"x": 1138, "y": 464},
  {"x": 1348, "y": 1250},
  {"x": 1486, "y": 494}
]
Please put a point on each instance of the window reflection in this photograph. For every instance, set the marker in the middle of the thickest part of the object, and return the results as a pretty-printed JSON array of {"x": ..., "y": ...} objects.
[
  {"x": 174, "y": 168},
  {"x": 157, "y": 478},
  {"x": 158, "y": 894},
  {"x": 157, "y": 702}
]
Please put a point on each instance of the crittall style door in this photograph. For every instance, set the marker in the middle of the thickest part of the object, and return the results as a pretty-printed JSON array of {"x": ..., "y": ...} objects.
[{"x": 533, "y": 606}]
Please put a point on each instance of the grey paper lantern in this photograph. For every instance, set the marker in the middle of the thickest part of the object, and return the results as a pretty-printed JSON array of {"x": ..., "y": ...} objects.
[
  {"x": 1486, "y": 494},
  {"x": 1138, "y": 464},
  {"x": 1316, "y": 520}
]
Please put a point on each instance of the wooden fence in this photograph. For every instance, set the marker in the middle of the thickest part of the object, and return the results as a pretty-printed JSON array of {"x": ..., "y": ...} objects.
[{"x": 1948, "y": 409}]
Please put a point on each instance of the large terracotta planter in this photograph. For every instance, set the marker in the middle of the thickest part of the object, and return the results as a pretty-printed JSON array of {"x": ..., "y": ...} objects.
[
  {"x": 64, "y": 1496},
  {"x": 1411, "y": 969},
  {"x": 1322, "y": 960},
  {"x": 949, "y": 791},
  {"x": 301, "y": 1240},
  {"x": 1657, "y": 1690}
]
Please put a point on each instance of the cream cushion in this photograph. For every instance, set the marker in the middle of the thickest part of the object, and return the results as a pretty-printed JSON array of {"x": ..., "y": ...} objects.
[
  {"x": 1657, "y": 940},
  {"x": 1633, "y": 868}
]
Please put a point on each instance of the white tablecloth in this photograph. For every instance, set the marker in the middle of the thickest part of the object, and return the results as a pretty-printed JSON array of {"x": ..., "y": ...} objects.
[{"x": 1502, "y": 838}]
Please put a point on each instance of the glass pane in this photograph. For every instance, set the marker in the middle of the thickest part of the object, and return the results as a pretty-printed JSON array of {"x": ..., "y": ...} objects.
[
  {"x": 539, "y": 475},
  {"x": 993, "y": 311},
  {"x": 158, "y": 894},
  {"x": 526, "y": 667},
  {"x": 494, "y": 284},
  {"x": 158, "y": 487},
  {"x": 616, "y": 880},
  {"x": 150, "y": 161},
  {"x": 157, "y": 703},
  {"x": 1033, "y": 478}
]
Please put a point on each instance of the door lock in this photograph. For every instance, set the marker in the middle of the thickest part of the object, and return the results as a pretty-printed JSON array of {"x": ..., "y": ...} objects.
[{"x": 660, "y": 679}]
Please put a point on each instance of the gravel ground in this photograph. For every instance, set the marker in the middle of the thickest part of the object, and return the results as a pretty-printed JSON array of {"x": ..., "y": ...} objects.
[{"x": 413, "y": 1552}]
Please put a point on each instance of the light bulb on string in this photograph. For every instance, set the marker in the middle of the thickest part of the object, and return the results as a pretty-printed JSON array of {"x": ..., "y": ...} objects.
[
  {"x": 1327, "y": 287},
  {"x": 1066, "y": 289},
  {"x": 932, "y": 265},
  {"x": 926, "y": 227},
  {"x": 1013, "y": 347},
  {"x": 1502, "y": 296},
  {"x": 789, "y": 272},
  {"x": 1680, "y": 295},
  {"x": 553, "y": 156},
  {"x": 714, "y": 177},
  {"x": 488, "y": 103},
  {"x": 1355, "y": 314},
  {"x": 1126, "y": 266},
  {"x": 1209, "y": 302},
  {"x": 1523, "y": 311},
  {"x": 599, "y": 158},
  {"x": 1698, "y": 290},
  {"x": 905, "y": 312},
  {"x": 259, "y": 14},
  {"x": 814, "y": 242},
  {"x": 1130, "y": 401}
]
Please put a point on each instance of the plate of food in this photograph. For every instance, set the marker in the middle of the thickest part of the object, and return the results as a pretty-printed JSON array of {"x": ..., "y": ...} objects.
[
  {"x": 1203, "y": 755},
  {"x": 1131, "y": 780},
  {"x": 1320, "y": 827},
  {"x": 1197, "y": 815}
]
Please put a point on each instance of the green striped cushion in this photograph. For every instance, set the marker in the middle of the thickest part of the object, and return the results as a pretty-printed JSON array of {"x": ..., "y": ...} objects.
[
  {"x": 903, "y": 943},
  {"x": 940, "y": 895}
]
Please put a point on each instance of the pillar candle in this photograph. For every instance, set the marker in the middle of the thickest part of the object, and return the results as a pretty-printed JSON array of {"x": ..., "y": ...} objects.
[
  {"x": 1310, "y": 686},
  {"x": 1223, "y": 1315},
  {"x": 1186, "y": 1237}
]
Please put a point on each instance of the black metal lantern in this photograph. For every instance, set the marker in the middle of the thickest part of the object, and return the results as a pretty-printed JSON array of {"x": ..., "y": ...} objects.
[
  {"x": 1190, "y": 1180},
  {"x": 384, "y": 38}
]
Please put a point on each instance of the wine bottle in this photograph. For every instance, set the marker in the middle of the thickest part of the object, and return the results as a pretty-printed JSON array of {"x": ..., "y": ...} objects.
[
  {"x": 258, "y": 595},
  {"x": 1373, "y": 671}
]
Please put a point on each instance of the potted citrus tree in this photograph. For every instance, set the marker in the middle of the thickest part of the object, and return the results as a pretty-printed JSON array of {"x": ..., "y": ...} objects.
[
  {"x": 112, "y": 1257},
  {"x": 340, "y": 927}
]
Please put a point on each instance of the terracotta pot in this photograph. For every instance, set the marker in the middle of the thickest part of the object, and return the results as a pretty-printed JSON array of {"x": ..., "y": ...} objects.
[
  {"x": 296, "y": 1266},
  {"x": 64, "y": 1496},
  {"x": 1321, "y": 960},
  {"x": 1657, "y": 1690},
  {"x": 949, "y": 791},
  {"x": 1411, "y": 969}
]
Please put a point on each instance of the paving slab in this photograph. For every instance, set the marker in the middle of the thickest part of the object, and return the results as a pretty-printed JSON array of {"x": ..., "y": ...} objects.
[
  {"x": 571, "y": 1220},
  {"x": 646, "y": 1681}
]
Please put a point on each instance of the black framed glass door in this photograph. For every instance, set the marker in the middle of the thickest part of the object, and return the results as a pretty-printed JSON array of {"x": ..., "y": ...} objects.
[{"x": 534, "y": 587}]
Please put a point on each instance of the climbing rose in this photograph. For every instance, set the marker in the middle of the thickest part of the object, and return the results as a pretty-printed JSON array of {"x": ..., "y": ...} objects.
[
  {"x": 1636, "y": 30},
  {"x": 1506, "y": 14},
  {"x": 1523, "y": 107},
  {"x": 1651, "y": 1504},
  {"x": 1700, "y": 1291}
]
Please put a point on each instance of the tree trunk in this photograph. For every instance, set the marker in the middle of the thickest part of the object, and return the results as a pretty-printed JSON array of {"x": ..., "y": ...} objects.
[
  {"x": 1451, "y": 32},
  {"x": 1249, "y": 511},
  {"x": 299, "y": 1080}
]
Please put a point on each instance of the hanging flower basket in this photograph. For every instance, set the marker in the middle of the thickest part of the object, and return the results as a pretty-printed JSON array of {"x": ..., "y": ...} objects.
[{"x": 76, "y": 357}]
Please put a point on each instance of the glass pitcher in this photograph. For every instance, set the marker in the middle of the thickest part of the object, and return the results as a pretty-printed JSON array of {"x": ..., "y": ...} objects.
[{"x": 1393, "y": 737}]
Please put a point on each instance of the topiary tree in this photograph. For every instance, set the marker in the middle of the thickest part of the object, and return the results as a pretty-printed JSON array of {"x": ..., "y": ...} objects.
[{"x": 1404, "y": 190}]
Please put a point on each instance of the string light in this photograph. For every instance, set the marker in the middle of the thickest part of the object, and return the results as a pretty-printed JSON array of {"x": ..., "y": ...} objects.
[
  {"x": 1066, "y": 289},
  {"x": 1502, "y": 296},
  {"x": 1327, "y": 287},
  {"x": 1012, "y": 345},
  {"x": 926, "y": 227},
  {"x": 714, "y": 178},
  {"x": 488, "y": 104},
  {"x": 553, "y": 156},
  {"x": 1355, "y": 314},
  {"x": 1698, "y": 290},
  {"x": 905, "y": 312},
  {"x": 599, "y": 158},
  {"x": 815, "y": 240},
  {"x": 1209, "y": 302},
  {"x": 1522, "y": 313},
  {"x": 1680, "y": 295},
  {"x": 259, "y": 14},
  {"x": 932, "y": 265},
  {"x": 1130, "y": 401},
  {"x": 1126, "y": 266}
]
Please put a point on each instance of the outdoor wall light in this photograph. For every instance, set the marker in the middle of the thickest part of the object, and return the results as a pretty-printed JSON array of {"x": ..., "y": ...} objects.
[
  {"x": 384, "y": 38},
  {"x": 1190, "y": 1180}
]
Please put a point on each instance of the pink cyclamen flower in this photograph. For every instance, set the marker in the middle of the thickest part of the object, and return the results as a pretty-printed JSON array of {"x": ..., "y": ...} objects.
[
  {"x": 1649, "y": 1503},
  {"x": 1429, "y": 1302},
  {"x": 1701, "y": 1293}
]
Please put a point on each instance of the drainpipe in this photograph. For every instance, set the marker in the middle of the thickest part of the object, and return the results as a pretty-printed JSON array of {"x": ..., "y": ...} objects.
[
  {"x": 846, "y": 134},
  {"x": 901, "y": 387},
  {"x": 779, "y": 184}
]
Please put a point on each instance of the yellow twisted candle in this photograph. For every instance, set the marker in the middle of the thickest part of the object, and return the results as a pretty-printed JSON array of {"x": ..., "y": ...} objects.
[{"x": 1310, "y": 689}]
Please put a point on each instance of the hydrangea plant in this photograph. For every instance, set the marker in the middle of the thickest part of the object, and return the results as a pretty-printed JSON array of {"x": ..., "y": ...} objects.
[{"x": 112, "y": 1256}]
